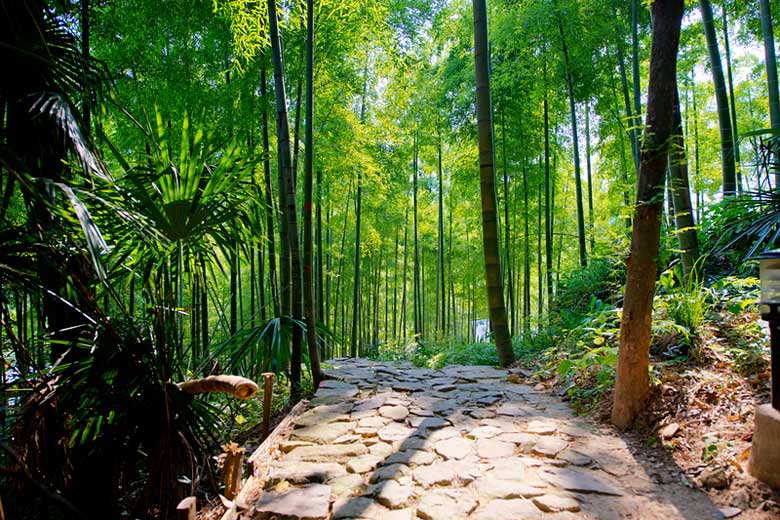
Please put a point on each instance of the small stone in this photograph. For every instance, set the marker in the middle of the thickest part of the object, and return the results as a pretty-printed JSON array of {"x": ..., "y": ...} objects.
[
  {"x": 497, "y": 488},
  {"x": 541, "y": 427},
  {"x": 556, "y": 503},
  {"x": 388, "y": 472},
  {"x": 730, "y": 512},
  {"x": 480, "y": 413},
  {"x": 452, "y": 504},
  {"x": 575, "y": 458},
  {"x": 393, "y": 494},
  {"x": 493, "y": 449},
  {"x": 305, "y": 503},
  {"x": 434, "y": 475},
  {"x": 396, "y": 413},
  {"x": 511, "y": 509},
  {"x": 364, "y": 464},
  {"x": 714, "y": 477},
  {"x": 454, "y": 448},
  {"x": 668, "y": 431},
  {"x": 549, "y": 447},
  {"x": 298, "y": 472},
  {"x": 358, "y": 507}
]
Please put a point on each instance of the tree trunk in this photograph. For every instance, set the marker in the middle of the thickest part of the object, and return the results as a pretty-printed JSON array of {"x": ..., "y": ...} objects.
[
  {"x": 507, "y": 230},
  {"x": 547, "y": 207},
  {"x": 285, "y": 167},
  {"x": 576, "y": 146},
  {"x": 443, "y": 321},
  {"x": 487, "y": 178},
  {"x": 308, "y": 172},
  {"x": 732, "y": 103},
  {"x": 416, "y": 258},
  {"x": 632, "y": 384},
  {"x": 771, "y": 72},
  {"x": 681, "y": 195},
  {"x": 721, "y": 100},
  {"x": 269, "y": 203},
  {"x": 590, "y": 179}
]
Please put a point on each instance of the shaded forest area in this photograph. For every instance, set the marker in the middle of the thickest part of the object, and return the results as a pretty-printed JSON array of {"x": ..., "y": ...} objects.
[{"x": 196, "y": 188}]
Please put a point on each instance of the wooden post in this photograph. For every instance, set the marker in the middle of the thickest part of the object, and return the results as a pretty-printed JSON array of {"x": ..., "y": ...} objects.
[
  {"x": 186, "y": 509},
  {"x": 268, "y": 388},
  {"x": 231, "y": 469}
]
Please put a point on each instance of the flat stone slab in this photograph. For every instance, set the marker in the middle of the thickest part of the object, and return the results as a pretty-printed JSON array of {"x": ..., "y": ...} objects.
[
  {"x": 297, "y": 472},
  {"x": 393, "y": 494},
  {"x": 323, "y": 433},
  {"x": 411, "y": 458},
  {"x": 328, "y": 453},
  {"x": 310, "y": 502},
  {"x": 494, "y": 449},
  {"x": 549, "y": 447},
  {"x": 358, "y": 507},
  {"x": 454, "y": 448},
  {"x": 396, "y": 413},
  {"x": 556, "y": 503},
  {"x": 449, "y": 504},
  {"x": 579, "y": 481},
  {"x": 434, "y": 475},
  {"x": 364, "y": 464},
  {"x": 391, "y": 471},
  {"x": 395, "y": 432},
  {"x": 498, "y": 488},
  {"x": 512, "y": 509}
]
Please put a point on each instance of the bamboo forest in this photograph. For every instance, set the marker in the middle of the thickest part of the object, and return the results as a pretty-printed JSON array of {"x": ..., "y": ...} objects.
[{"x": 353, "y": 259}]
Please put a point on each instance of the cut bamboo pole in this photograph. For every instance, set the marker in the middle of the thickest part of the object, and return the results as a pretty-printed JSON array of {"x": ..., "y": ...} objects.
[
  {"x": 186, "y": 509},
  {"x": 268, "y": 388},
  {"x": 237, "y": 386},
  {"x": 231, "y": 469}
]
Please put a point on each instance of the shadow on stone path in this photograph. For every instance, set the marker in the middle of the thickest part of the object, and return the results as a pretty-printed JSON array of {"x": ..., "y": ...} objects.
[{"x": 391, "y": 441}]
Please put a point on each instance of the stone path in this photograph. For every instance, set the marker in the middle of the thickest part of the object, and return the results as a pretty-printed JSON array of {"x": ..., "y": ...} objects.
[{"x": 390, "y": 441}]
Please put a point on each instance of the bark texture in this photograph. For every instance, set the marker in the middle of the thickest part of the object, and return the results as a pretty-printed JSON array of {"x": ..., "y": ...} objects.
[
  {"x": 487, "y": 181},
  {"x": 632, "y": 384}
]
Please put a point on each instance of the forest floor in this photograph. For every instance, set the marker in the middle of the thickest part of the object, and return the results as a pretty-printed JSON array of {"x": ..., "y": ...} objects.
[{"x": 388, "y": 440}]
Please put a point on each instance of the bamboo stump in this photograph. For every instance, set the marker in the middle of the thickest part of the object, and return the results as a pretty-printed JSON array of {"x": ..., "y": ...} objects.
[
  {"x": 232, "y": 464},
  {"x": 186, "y": 509},
  {"x": 268, "y": 388}
]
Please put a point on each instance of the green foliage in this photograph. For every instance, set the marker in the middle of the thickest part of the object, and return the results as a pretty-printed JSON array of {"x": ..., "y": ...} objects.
[{"x": 587, "y": 289}]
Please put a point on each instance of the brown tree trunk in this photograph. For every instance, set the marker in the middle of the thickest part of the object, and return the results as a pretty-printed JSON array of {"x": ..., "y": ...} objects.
[
  {"x": 487, "y": 183},
  {"x": 632, "y": 384}
]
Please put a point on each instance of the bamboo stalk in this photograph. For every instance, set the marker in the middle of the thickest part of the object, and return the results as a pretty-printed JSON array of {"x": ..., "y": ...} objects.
[{"x": 268, "y": 387}]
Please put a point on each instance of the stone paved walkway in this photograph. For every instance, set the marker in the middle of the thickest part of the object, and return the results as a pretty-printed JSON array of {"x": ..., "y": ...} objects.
[{"x": 390, "y": 441}]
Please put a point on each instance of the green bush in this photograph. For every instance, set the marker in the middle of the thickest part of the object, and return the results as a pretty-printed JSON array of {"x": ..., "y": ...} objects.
[{"x": 586, "y": 289}]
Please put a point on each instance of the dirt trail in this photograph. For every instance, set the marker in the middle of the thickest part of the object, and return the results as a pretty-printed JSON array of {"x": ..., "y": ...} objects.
[{"x": 391, "y": 441}]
